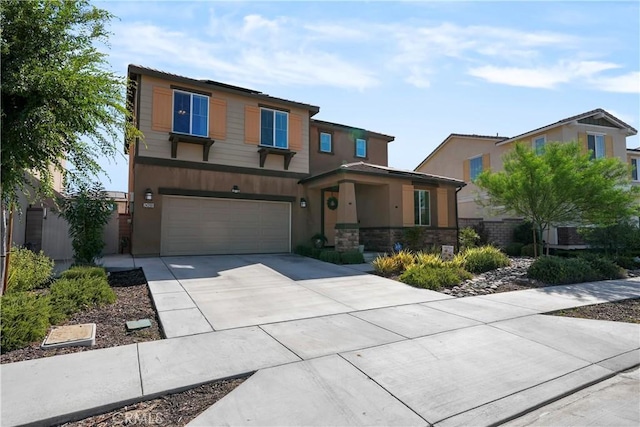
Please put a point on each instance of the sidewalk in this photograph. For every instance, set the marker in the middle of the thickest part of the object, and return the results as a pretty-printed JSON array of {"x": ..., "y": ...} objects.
[{"x": 476, "y": 360}]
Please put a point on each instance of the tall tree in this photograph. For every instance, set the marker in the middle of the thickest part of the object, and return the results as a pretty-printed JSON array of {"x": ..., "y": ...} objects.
[
  {"x": 60, "y": 101},
  {"x": 560, "y": 186}
]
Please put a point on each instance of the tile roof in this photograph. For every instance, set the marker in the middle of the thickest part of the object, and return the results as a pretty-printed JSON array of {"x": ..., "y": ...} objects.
[{"x": 371, "y": 169}]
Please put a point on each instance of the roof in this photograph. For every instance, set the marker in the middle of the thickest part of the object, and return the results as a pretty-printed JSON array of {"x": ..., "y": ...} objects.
[
  {"x": 635, "y": 150},
  {"x": 323, "y": 123},
  {"x": 378, "y": 170},
  {"x": 459, "y": 135},
  {"x": 568, "y": 120},
  {"x": 223, "y": 87}
]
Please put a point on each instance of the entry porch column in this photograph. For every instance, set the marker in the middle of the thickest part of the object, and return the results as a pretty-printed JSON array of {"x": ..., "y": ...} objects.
[{"x": 347, "y": 228}]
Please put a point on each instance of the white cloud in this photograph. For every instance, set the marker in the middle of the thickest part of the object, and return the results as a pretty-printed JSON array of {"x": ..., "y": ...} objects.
[
  {"x": 260, "y": 51},
  {"x": 626, "y": 83},
  {"x": 547, "y": 77}
]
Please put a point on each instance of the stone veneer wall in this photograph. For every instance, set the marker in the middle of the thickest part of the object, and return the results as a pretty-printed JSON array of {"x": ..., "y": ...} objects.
[
  {"x": 499, "y": 233},
  {"x": 347, "y": 239},
  {"x": 384, "y": 238}
]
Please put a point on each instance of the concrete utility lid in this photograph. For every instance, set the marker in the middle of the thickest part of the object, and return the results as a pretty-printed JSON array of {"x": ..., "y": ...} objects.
[{"x": 70, "y": 336}]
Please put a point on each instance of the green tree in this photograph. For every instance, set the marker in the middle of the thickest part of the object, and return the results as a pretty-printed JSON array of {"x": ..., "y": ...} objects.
[
  {"x": 60, "y": 101},
  {"x": 87, "y": 210},
  {"x": 560, "y": 186}
]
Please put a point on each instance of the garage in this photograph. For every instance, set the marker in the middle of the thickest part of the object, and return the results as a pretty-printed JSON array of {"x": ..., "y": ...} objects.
[{"x": 209, "y": 226}]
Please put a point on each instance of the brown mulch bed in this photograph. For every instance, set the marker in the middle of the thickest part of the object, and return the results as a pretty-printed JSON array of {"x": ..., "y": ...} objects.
[
  {"x": 619, "y": 311},
  {"x": 172, "y": 410},
  {"x": 133, "y": 303}
]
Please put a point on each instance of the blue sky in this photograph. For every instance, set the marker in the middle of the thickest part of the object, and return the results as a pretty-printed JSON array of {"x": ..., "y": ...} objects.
[{"x": 415, "y": 70}]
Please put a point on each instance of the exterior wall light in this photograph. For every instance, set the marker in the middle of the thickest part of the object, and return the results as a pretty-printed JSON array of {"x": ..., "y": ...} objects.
[
  {"x": 235, "y": 189},
  {"x": 303, "y": 202},
  {"x": 148, "y": 194}
]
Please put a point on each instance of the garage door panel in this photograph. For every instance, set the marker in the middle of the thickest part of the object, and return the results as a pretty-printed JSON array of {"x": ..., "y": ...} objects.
[{"x": 192, "y": 226}]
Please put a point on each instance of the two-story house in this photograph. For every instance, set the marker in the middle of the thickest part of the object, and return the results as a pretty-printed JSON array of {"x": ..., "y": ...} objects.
[
  {"x": 228, "y": 170},
  {"x": 466, "y": 156}
]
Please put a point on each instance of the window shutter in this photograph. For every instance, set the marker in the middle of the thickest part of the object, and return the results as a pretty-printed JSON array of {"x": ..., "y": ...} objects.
[
  {"x": 251, "y": 125},
  {"x": 161, "y": 109},
  {"x": 408, "y": 219},
  {"x": 295, "y": 132},
  {"x": 466, "y": 170},
  {"x": 583, "y": 142},
  {"x": 608, "y": 146},
  {"x": 217, "y": 119},
  {"x": 486, "y": 162}
]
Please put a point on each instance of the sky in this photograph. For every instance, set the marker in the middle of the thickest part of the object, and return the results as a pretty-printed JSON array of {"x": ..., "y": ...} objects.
[{"x": 416, "y": 70}]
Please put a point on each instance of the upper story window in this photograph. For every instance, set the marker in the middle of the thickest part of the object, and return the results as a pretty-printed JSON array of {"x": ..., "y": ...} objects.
[
  {"x": 538, "y": 144},
  {"x": 634, "y": 169},
  {"x": 325, "y": 142},
  {"x": 274, "y": 127},
  {"x": 190, "y": 113},
  {"x": 596, "y": 146},
  {"x": 361, "y": 147},
  {"x": 475, "y": 167},
  {"x": 421, "y": 207}
]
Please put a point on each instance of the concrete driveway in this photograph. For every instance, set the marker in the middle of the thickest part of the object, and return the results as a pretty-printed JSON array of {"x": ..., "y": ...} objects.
[{"x": 205, "y": 293}]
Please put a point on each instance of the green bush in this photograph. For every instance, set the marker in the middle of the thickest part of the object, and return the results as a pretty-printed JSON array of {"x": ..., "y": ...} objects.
[
  {"x": 315, "y": 253},
  {"x": 429, "y": 260},
  {"x": 330, "y": 256},
  {"x": 514, "y": 249},
  {"x": 352, "y": 257},
  {"x": 25, "y": 318},
  {"x": 303, "y": 250},
  {"x": 413, "y": 238},
  {"x": 28, "y": 270},
  {"x": 604, "y": 267},
  {"x": 83, "y": 272},
  {"x": 486, "y": 258},
  {"x": 433, "y": 278},
  {"x": 68, "y": 296},
  {"x": 469, "y": 238},
  {"x": 627, "y": 262},
  {"x": 523, "y": 233},
  {"x": 560, "y": 271},
  {"x": 527, "y": 250},
  {"x": 384, "y": 265}
]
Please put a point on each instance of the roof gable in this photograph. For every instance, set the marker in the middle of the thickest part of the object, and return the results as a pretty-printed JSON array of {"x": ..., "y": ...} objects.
[{"x": 496, "y": 138}]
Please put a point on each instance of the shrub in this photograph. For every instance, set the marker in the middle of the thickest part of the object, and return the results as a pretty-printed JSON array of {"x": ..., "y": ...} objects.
[
  {"x": 559, "y": 271},
  {"x": 384, "y": 265},
  {"x": 429, "y": 260},
  {"x": 87, "y": 211},
  {"x": 403, "y": 260},
  {"x": 527, "y": 250},
  {"x": 27, "y": 270},
  {"x": 514, "y": 249},
  {"x": 303, "y": 250},
  {"x": 315, "y": 253},
  {"x": 25, "y": 318},
  {"x": 352, "y": 257},
  {"x": 83, "y": 272},
  {"x": 68, "y": 296},
  {"x": 523, "y": 233},
  {"x": 627, "y": 262},
  {"x": 604, "y": 267},
  {"x": 413, "y": 238},
  {"x": 330, "y": 256},
  {"x": 433, "y": 278},
  {"x": 469, "y": 238},
  {"x": 622, "y": 238},
  {"x": 486, "y": 258}
]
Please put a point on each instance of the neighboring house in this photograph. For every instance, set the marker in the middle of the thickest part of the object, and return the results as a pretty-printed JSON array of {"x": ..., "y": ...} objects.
[
  {"x": 466, "y": 156},
  {"x": 224, "y": 169}
]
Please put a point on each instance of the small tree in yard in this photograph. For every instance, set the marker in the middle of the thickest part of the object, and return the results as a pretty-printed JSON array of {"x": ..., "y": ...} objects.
[
  {"x": 87, "y": 211},
  {"x": 560, "y": 186}
]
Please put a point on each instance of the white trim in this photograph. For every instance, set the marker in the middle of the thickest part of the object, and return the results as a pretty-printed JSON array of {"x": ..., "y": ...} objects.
[
  {"x": 274, "y": 127},
  {"x": 418, "y": 190},
  {"x": 365, "y": 148},
  {"x": 173, "y": 106},
  {"x": 637, "y": 160},
  {"x": 595, "y": 145},
  {"x": 533, "y": 142}
]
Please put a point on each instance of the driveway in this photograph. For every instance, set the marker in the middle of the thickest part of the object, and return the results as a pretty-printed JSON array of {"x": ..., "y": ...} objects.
[{"x": 225, "y": 292}]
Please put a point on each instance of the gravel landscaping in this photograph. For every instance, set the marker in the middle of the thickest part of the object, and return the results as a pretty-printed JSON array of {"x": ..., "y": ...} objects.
[{"x": 620, "y": 311}]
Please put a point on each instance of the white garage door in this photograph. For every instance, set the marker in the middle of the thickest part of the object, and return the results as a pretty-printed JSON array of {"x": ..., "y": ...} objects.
[{"x": 203, "y": 226}]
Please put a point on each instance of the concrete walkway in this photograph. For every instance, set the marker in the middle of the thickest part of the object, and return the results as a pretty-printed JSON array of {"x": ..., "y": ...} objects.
[{"x": 365, "y": 350}]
